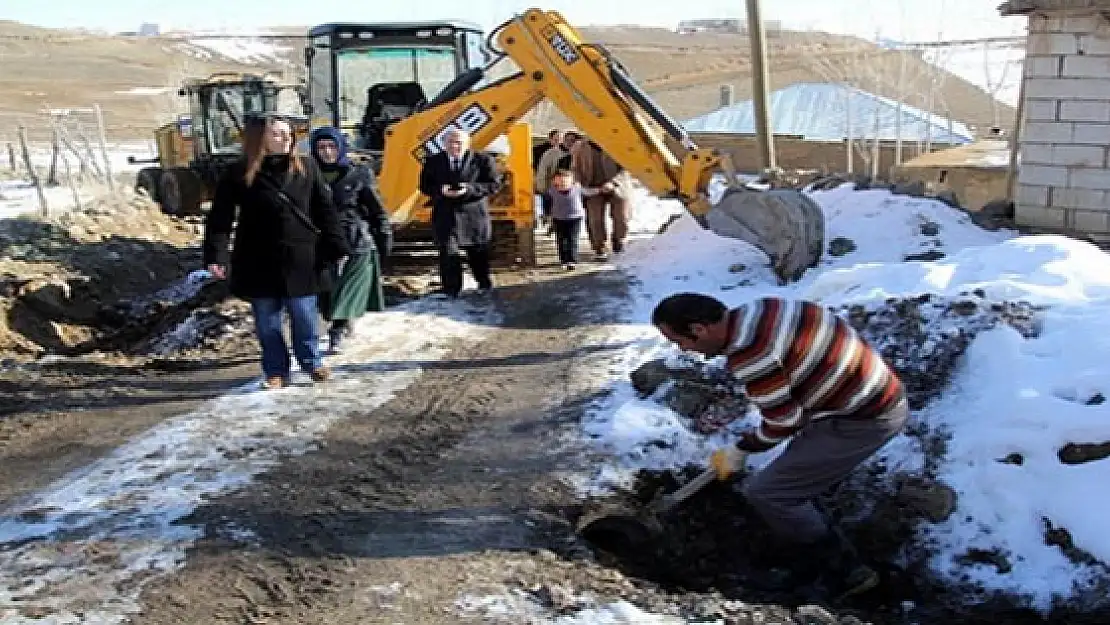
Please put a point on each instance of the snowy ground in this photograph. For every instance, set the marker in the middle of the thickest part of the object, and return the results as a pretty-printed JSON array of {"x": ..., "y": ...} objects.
[
  {"x": 112, "y": 525},
  {"x": 18, "y": 196},
  {"x": 1011, "y": 396}
]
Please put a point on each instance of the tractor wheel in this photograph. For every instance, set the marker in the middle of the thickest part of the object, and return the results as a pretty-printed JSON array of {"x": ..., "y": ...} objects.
[
  {"x": 180, "y": 192},
  {"x": 147, "y": 182}
]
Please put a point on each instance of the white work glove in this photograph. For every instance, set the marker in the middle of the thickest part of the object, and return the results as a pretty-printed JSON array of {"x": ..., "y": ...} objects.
[{"x": 727, "y": 461}]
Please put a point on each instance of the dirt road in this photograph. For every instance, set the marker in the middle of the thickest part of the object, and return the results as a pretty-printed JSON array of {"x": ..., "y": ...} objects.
[
  {"x": 406, "y": 507},
  {"x": 431, "y": 468}
]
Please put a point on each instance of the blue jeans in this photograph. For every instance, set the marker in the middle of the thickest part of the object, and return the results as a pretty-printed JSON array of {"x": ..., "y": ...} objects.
[{"x": 268, "y": 326}]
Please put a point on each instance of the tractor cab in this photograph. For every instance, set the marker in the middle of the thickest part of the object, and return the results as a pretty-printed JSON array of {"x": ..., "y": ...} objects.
[
  {"x": 219, "y": 106},
  {"x": 364, "y": 77}
]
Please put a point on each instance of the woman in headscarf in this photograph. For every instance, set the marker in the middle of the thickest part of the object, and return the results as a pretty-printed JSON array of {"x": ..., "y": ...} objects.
[
  {"x": 287, "y": 233},
  {"x": 362, "y": 216}
]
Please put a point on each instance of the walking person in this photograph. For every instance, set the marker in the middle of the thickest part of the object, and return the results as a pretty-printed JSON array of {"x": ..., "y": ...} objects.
[
  {"x": 546, "y": 167},
  {"x": 287, "y": 233},
  {"x": 459, "y": 182},
  {"x": 567, "y": 212},
  {"x": 818, "y": 384},
  {"x": 597, "y": 170},
  {"x": 365, "y": 224}
]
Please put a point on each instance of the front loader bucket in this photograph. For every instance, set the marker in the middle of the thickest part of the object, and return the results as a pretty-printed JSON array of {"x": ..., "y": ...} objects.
[{"x": 784, "y": 223}]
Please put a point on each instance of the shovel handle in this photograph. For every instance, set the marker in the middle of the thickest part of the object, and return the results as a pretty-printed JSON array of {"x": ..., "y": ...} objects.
[{"x": 691, "y": 487}]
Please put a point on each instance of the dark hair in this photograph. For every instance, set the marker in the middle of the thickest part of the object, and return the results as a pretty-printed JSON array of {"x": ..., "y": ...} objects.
[
  {"x": 562, "y": 171},
  {"x": 680, "y": 311},
  {"x": 553, "y": 132}
]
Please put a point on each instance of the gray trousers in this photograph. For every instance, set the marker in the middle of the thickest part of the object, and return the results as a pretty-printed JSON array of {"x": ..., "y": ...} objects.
[{"x": 818, "y": 457}]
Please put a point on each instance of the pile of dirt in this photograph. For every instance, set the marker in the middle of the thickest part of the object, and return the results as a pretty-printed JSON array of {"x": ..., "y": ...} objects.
[
  {"x": 713, "y": 543},
  {"x": 68, "y": 284}
]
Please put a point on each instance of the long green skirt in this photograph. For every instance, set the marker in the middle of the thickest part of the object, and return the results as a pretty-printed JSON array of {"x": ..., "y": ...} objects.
[{"x": 358, "y": 288}]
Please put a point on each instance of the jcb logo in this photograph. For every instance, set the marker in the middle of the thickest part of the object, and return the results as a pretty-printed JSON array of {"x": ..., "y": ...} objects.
[
  {"x": 472, "y": 119},
  {"x": 562, "y": 48}
]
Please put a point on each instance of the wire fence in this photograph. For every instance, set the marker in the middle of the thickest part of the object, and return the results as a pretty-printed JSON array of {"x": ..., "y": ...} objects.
[{"x": 59, "y": 148}]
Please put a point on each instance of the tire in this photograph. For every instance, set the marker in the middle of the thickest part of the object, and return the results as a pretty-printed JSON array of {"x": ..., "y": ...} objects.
[
  {"x": 180, "y": 192},
  {"x": 148, "y": 182}
]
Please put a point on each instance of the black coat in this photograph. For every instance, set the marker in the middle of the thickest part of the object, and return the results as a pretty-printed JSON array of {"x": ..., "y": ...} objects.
[
  {"x": 362, "y": 215},
  {"x": 276, "y": 253},
  {"x": 465, "y": 220}
]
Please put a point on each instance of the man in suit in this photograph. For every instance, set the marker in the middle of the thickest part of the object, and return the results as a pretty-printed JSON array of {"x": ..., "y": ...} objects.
[{"x": 459, "y": 183}]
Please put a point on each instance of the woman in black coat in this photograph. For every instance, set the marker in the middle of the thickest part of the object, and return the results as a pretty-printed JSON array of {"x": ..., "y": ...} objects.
[
  {"x": 288, "y": 233},
  {"x": 362, "y": 217}
]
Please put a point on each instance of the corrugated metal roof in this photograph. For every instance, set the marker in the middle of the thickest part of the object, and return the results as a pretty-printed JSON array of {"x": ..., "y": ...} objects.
[{"x": 820, "y": 112}]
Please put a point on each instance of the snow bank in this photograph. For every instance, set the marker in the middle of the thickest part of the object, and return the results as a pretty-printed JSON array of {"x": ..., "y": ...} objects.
[{"x": 1012, "y": 396}]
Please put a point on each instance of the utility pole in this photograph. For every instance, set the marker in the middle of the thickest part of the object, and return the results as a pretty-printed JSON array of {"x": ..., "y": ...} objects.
[{"x": 760, "y": 97}]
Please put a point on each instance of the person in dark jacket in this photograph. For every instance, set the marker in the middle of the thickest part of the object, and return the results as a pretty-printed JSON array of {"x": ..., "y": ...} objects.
[
  {"x": 287, "y": 232},
  {"x": 362, "y": 216},
  {"x": 459, "y": 183}
]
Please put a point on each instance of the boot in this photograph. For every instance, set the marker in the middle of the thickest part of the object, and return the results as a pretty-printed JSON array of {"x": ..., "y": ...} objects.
[
  {"x": 845, "y": 573},
  {"x": 335, "y": 340}
]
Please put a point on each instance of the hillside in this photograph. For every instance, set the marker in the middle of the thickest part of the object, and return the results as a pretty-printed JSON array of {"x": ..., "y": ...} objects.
[{"x": 134, "y": 79}]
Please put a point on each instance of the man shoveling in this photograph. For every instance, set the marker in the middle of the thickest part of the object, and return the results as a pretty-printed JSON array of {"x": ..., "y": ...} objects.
[{"x": 816, "y": 382}]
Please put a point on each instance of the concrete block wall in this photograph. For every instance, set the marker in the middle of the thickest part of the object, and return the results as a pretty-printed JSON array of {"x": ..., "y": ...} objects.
[{"x": 1064, "y": 179}]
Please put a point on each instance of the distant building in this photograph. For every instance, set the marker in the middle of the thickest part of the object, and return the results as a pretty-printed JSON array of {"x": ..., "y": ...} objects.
[{"x": 149, "y": 30}]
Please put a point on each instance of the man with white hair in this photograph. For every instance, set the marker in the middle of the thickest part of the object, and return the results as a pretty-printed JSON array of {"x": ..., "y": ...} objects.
[{"x": 459, "y": 183}]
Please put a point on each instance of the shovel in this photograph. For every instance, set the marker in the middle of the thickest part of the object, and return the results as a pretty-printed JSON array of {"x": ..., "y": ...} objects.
[{"x": 617, "y": 526}]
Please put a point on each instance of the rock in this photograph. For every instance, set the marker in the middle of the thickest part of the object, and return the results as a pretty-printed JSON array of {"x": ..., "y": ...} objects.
[
  {"x": 1013, "y": 458},
  {"x": 1080, "y": 453},
  {"x": 930, "y": 228},
  {"x": 982, "y": 556},
  {"x": 913, "y": 189},
  {"x": 814, "y": 615},
  {"x": 949, "y": 197},
  {"x": 648, "y": 377},
  {"x": 841, "y": 246},
  {"x": 933, "y": 500},
  {"x": 928, "y": 256},
  {"x": 998, "y": 208},
  {"x": 1096, "y": 400},
  {"x": 785, "y": 224},
  {"x": 737, "y": 268}
]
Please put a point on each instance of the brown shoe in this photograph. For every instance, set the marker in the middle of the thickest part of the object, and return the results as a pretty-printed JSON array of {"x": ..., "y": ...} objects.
[
  {"x": 273, "y": 383},
  {"x": 323, "y": 374}
]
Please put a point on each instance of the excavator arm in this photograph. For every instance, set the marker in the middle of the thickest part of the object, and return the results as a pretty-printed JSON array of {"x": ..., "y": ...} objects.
[
  {"x": 586, "y": 84},
  {"x": 597, "y": 94}
]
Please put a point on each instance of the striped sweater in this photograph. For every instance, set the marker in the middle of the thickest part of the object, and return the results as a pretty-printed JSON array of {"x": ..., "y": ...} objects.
[{"x": 800, "y": 362}]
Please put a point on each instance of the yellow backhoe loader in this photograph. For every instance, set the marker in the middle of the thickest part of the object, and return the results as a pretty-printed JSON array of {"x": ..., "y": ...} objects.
[
  {"x": 377, "y": 81},
  {"x": 195, "y": 149}
]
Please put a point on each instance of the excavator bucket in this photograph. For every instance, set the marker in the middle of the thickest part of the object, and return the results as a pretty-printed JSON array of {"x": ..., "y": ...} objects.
[{"x": 784, "y": 223}]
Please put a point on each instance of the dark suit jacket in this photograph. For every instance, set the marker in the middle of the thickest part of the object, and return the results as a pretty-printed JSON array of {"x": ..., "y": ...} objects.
[{"x": 465, "y": 220}]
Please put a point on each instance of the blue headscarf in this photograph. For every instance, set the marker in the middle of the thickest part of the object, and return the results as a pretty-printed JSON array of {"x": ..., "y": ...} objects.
[{"x": 330, "y": 132}]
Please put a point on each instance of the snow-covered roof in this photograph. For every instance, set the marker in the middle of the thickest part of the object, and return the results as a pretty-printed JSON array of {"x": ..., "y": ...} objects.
[{"x": 820, "y": 112}]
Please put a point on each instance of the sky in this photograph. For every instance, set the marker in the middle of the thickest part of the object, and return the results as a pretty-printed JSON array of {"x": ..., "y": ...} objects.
[{"x": 892, "y": 19}]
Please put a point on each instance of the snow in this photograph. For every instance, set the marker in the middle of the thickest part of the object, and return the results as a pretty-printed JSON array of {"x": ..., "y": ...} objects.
[
  {"x": 245, "y": 50},
  {"x": 85, "y": 547},
  {"x": 145, "y": 91},
  {"x": 18, "y": 196},
  {"x": 1010, "y": 395}
]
